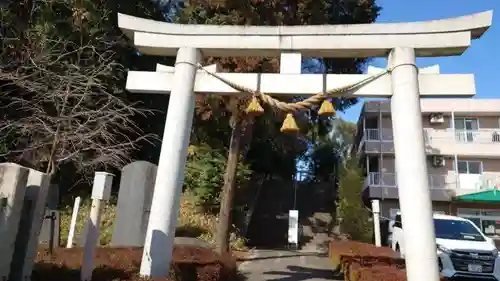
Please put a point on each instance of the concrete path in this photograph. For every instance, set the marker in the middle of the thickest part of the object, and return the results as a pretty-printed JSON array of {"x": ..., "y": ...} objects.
[{"x": 281, "y": 265}]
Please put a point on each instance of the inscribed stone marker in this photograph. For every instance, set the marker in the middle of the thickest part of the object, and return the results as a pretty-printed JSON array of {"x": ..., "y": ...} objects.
[{"x": 134, "y": 201}]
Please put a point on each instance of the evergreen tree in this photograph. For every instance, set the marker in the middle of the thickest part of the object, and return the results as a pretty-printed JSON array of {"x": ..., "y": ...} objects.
[{"x": 354, "y": 217}]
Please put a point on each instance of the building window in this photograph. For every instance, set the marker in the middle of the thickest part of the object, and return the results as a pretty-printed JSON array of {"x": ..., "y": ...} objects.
[
  {"x": 469, "y": 212},
  {"x": 470, "y": 167},
  {"x": 466, "y": 129},
  {"x": 466, "y": 124}
]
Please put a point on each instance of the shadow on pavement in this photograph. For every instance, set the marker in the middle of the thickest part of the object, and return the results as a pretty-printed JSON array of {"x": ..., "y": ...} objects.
[
  {"x": 299, "y": 273},
  {"x": 291, "y": 255}
]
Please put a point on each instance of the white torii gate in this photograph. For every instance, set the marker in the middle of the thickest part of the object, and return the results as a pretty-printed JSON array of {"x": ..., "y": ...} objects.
[{"x": 401, "y": 42}]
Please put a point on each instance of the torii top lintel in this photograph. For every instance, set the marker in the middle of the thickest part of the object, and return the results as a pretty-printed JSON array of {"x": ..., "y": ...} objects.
[{"x": 444, "y": 37}]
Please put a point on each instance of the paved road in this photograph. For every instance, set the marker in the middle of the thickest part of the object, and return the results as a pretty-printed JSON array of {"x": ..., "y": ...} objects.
[{"x": 273, "y": 265}]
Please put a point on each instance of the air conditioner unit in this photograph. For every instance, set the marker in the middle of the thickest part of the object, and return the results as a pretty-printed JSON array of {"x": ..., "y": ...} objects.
[
  {"x": 436, "y": 118},
  {"x": 438, "y": 161}
]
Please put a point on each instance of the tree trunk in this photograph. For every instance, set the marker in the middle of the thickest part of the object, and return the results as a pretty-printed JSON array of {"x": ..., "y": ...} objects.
[
  {"x": 228, "y": 189},
  {"x": 251, "y": 210}
]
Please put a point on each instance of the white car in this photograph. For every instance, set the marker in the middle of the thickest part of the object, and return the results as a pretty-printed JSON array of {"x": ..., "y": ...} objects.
[{"x": 463, "y": 250}]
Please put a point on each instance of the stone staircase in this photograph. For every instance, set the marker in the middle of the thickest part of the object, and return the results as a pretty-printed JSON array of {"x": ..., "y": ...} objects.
[
  {"x": 316, "y": 232},
  {"x": 316, "y": 209}
]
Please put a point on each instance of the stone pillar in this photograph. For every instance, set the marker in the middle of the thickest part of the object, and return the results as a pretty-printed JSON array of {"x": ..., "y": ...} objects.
[
  {"x": 376, "y": 222},
  {"x": 33, "y": 212},
  {"x": 411, "y": 167},
  {"x": 13, "y": 179},
  {"x": 134, "y": 203},
  {"x": 101, "y": 191},
  {"x": 165, "y": 205},
  {"x": 37, "y": 190}
]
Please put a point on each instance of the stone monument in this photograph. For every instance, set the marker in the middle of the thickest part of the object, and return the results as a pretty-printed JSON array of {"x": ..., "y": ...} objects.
[
  {"x": 23, "y": 195},
  {"x": 134, "y": 202}
]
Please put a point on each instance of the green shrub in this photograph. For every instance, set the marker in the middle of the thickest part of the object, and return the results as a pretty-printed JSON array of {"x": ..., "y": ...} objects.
[
  {"x": 202, "y": 184},
  {"x": 107, "y": 218},
  {"x": 192, "y": 222},
  {"x": 205, "y": 174},
  {"x": 354, "y": 217}
]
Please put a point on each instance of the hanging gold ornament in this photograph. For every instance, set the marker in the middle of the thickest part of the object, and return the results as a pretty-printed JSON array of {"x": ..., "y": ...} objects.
[
  {"x": 289, "y": 125},
  {"x": 326, "y": 109},
  {"x": 254, "y": 108}
]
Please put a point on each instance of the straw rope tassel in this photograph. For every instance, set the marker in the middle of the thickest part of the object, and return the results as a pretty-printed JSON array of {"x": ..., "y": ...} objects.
[
  {"x": 327, "y": 109},
  {"x": 254, "y": 108},
  {"x": 289, "y": 125}
]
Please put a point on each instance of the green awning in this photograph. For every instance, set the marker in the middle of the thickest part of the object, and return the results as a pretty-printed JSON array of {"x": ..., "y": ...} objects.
[{"x": 487, "y": 196}]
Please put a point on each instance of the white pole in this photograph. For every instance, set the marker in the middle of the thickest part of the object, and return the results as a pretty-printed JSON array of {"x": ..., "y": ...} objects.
[
  {"x": 381, "y": 148},
  {"x": 100, "y": 191},
  {"x": 368, "y": 166},
  {"x": 380, "y": 129},
  {"x": 411, "y": 167},
  {"x": 164, "y": 213},
  {"x": 455, "y": 156},
  {"x": 291, "y": 62},
  {"x": 381, "y": 169},
  {"x": 72, "y": 225},
  {"x": 91, "y": 240},
  {"x": 376, "y": 222}
]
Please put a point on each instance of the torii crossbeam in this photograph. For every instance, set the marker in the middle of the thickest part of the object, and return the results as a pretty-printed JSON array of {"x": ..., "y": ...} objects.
[
  {"x": 433, "y": 85},
  {"x": 401, "y": 42}
]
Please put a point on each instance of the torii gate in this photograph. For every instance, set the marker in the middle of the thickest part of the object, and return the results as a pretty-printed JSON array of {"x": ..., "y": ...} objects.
[{"x": 401, "y": 42}]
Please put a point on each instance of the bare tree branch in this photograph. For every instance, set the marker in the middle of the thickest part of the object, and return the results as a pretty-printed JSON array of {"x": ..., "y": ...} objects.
[{"x": 63, "y": 106}]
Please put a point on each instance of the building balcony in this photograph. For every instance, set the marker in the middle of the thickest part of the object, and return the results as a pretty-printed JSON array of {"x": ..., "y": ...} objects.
[
  {"x": 481, "y": 143},
  {"x": 443, "y": 187}
]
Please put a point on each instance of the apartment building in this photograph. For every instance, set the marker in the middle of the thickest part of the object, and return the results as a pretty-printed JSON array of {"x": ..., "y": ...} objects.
[{"x": 462, "y": 142}]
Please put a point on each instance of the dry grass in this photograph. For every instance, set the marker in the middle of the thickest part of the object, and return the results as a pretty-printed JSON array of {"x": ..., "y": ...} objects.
[{"x": 203, "y": 225}]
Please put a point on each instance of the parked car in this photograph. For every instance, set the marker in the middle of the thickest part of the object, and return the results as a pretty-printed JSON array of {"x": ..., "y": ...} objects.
[{"x": 463, "y": 250}]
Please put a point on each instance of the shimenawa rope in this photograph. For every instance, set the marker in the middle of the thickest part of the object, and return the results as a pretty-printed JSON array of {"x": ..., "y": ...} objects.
[
  {"x": 289, "y": 124},
  {"x": 300, "y": 105}
]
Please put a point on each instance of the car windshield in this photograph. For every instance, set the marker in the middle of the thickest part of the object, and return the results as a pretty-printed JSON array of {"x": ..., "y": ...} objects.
[{"x": 457, "y": 230}]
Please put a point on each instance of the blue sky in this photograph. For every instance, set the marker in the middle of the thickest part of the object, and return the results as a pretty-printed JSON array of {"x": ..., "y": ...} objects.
[{"x": 481, "y": 59}]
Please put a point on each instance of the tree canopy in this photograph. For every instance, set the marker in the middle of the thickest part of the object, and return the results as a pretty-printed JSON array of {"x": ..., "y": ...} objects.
[{"x": 62, "y": 86}]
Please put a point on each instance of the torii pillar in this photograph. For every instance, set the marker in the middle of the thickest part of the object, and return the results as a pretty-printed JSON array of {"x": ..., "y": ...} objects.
[{"x": 402, "y": 42}]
